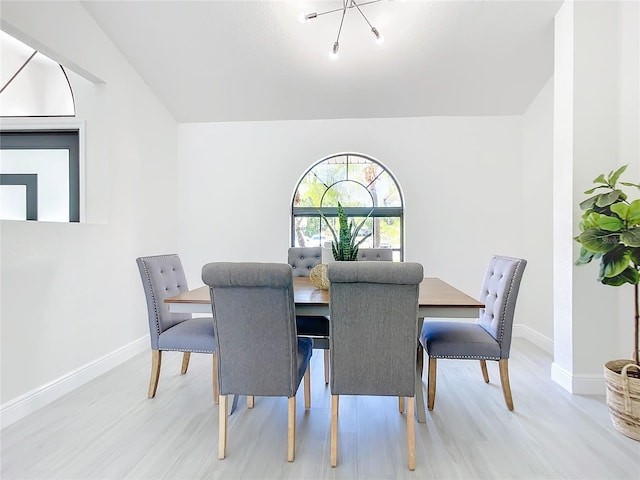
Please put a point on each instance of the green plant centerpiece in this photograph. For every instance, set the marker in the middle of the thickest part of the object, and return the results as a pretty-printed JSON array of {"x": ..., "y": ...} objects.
[
  {"x": 345, "y": 243},
  {"x": 610, "y": 233}
]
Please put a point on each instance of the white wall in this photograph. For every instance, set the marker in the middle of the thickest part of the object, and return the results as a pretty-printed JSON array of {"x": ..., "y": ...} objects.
[
  {"x": 595, "y": 131},
  {"x": 71, "y": 293},
  {"x": 537, "y": 224},
  {"x": 461, "y": 177}
]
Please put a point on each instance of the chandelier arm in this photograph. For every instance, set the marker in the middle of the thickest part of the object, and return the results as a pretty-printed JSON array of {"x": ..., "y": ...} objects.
[
  {"x": 348, "y": 7},
  {"x": 331, "y": 11},
  {"x": 344, "y": 11},
  {"x": 361, "y": 13}
]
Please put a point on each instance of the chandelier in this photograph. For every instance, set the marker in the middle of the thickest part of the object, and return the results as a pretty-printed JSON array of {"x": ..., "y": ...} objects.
[{"x": 346, "y": 6}]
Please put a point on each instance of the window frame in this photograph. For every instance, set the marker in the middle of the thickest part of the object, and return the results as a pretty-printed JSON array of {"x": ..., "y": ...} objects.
[
  {"x": 332, "y": 212},
  {"x": 35, "y": 126}
]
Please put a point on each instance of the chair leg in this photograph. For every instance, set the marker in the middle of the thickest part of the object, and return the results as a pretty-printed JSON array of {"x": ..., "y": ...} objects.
[
  {"x": 250, "y": 401},
  {"x": 335, "y": 399},
  {"x": 504, "y": 379},
  {"x": 222, "y": 427},
  {"x": 307, "y": 388},
  {"x": 216, "y": 389},
  {"x": 156, "y": 362},
  {"x": 431, "y": 383},
  {"x": 411, "y": 435},
  {"x": 420, "y": 359},
  {"x": 291, "y": 437},
  {"x": 185, "y": 362},
  {"x": 326, "y": 366},
  {"x": 485, "y": 372},
  {"x": 401, "y": 404}
]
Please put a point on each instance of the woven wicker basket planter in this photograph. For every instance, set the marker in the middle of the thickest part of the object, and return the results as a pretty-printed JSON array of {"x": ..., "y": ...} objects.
[{"x": 623, "y": 396}]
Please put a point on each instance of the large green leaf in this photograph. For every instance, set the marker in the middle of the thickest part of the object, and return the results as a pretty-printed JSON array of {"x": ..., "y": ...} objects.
[
  {"x": 631, "y": 238},
  {"x": 633, "y": 214},
  {"x": 597, "y": 241},
  {"x": 620, "y": 209},
  {"x": 613, "y": 178},
  {"x": 600, "y": 179},
  {"x": 585, "y": 256},
  {"x": 630, "y": 275},
  {"x": 610, "y": 224},
  {"x": 614, "y": 263},
  {"x": 589, "y": 220},
  {"x": 589, "y": 202},
  {"x": 606, "y": 199}
]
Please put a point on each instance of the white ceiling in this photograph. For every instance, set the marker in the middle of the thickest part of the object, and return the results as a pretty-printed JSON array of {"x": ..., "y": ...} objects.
[{"x": 212, "y": 61}]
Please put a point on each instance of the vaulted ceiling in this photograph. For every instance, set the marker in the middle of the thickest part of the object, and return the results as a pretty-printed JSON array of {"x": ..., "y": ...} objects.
[{"x": 211, "y": 61}]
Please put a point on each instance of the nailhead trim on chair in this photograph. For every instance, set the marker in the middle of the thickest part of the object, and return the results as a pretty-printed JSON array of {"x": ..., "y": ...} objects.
[
  {"x": 460, "y": 357},
  {"x": 155, "y": 308},
  {"x": 518, "y": 266},
  {"x": 190, "y": 351}
]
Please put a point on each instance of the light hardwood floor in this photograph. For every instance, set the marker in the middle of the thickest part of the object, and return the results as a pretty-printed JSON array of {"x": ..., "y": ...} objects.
[{"x": 108, "y": 429}]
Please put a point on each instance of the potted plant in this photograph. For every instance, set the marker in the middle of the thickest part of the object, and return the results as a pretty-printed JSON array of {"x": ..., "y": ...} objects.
[
  {"x": 345, "y": 243},
  {"x": 344, "y": 247},
  {"x": 610, "y": 233}
]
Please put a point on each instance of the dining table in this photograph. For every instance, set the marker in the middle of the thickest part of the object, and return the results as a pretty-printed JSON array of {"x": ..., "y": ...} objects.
[{"x": 437, "y": 299}]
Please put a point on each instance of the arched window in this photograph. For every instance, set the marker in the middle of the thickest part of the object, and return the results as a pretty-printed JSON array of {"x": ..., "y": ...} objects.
[
  {"x": 40, "y": 168},
  {"x": 31, "y": 84},
  {"x": 364, "y": 187}
]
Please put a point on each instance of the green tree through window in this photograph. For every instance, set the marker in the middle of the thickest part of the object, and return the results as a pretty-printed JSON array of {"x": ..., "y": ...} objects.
[{"x": 362, "y": 185}]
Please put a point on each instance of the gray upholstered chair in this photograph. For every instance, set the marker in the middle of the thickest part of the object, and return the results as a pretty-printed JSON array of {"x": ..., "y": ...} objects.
[
  {"x": 163, "y": 276},
  {"x": 303, "y": 259},
  {"x": 316, "y": 327},
  {"x": 374, "y": 308},
  {"x": 375, "y": 254},
  {"x": 259, "y": 352},
  {"x": 487, "y": 339}
]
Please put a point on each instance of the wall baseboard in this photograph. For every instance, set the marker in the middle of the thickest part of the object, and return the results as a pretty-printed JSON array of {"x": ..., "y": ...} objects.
[
  {"x": 534, "y": 337},
  {"x": 20, "y": 407},
  {"x": 578, "y": 384}
]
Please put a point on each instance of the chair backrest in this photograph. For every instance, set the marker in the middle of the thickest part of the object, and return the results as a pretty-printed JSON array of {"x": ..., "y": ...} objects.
[
  {"x": 303, "y": 259},
  {"x": 374, "y": 327},
  {"x": 162, "y": 276},
  {"x": 375, "y": 254},
  {"x": 499, "y": 294},
  {"x": 254, "y": 324}
]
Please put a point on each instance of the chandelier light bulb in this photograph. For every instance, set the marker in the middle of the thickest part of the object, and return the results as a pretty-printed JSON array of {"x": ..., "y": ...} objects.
[
  {"x": 378, "y": 35},
  {"x": 333, "y": 55},
  {"x": 305, "y": 17}
]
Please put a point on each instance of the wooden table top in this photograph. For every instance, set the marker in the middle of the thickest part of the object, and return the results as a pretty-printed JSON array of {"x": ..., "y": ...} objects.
[{"x": 433, "y": 293}]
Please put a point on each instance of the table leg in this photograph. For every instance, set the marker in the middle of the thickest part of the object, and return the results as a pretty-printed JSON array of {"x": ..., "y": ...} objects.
[
  {"x": 420, "y": 412},
  {"x": 420, "y": 406}
]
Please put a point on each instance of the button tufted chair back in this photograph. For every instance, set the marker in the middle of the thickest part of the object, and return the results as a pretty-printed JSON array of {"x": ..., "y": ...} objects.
[
  {"x": 499, "y": 293},
  {"x": 162, "y": 277},
  {"x": 375, "y": 254},
  {"x": 489, "y": 338},
  {"x": 303, "y": 259}
]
